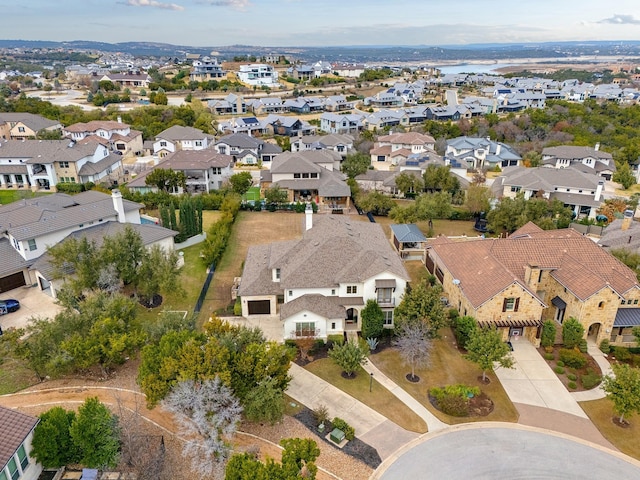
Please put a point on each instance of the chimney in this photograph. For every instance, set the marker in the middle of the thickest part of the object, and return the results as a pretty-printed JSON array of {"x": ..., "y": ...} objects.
[
  {"x": 119, "y": 119},
  {"x": 118, "y": 205},
  {"x": 626, "y": 220},
  {"x": 308, "y": 217},
  {"x": 498, "y": 148},
  {"x": 597, "y": 147},
  {"x": 599, "y": 189}
]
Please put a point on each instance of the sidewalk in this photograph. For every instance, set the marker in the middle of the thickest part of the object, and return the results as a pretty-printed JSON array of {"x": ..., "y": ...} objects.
[{"x": 605, "y": 366}]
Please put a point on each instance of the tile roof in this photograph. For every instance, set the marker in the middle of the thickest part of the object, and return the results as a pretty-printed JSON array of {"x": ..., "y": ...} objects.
[
  {"x": 15, "y": 426},
  {"x": 95, "y": 125},
  {"x": 486, "y": 267}
]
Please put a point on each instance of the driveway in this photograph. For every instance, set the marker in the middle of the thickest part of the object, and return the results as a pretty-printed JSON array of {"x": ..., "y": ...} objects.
[
  {"x": 33, "y": 303},
  {"x": 532, "y": 382},
  {"x": 495, "y": 452}
]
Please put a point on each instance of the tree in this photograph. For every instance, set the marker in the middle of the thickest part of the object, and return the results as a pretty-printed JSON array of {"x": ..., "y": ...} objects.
[
  {"x": 422, "y": 304},
  {"x": 52, "y": 444},
  {"x": 623, "y": 389},
  {"x": 372, "y": 320},
  {"x": 409, "y": 183},
  {"x": 548, "y": 336},
  {"x": 572, "y": 332},
  {"x": 208, "y": 414},
  {"x": 241, "y": 182},
  {"x": 274, "y": 195},
  {"x": 477, "y": 199},
  {"x": 375, "y": 202},
  {"x": 464, "y": 328},
  {"x": 166, "y": 180},
  {"x": 414, "y": 345},
  {"x": 438, "y": 177},
  {"x": 265, "y": 403},
  {"x": 95, "y": 432},
  {"x": 629, "y": 257},
  {"x": 624, "y": 176},
  {"x": 356, "y": 164},
  {"x": 160, "y": 98},
  {"x": 612, "y": 206},
  {"x": 485, "y": 347},
  {"x": 349, "y": 356},
  {"x": 157, "y": 274},
  {"x": 125, "y": 250}
]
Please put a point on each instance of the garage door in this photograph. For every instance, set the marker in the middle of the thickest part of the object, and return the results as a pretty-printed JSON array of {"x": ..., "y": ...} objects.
[
  {"x": 12, "y": 281},
  {"x": 259, "y": 307}
]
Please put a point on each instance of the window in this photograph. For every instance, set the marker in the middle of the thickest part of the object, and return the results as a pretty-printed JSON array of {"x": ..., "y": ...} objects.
[
  {"x": 314, "y": 175},
  {"x": 540, "y": 276},
  {"x": 291, "y": 293},
  {"x": 340, "y": 148},
  {"x": 21, "y": 129},
  {"x": 305, "y": 175},
  {"x": 305, "y": 329},
  {"x": 510, "y": 304},
  {"x": 635, "y": 302},
  {"x": 222, "y": 149},
  {"x": 277, "y": 274},
  {"x": 163, "y": 144},
  {"x": 64, "y": 164},
  {"x": 516, "y": 189},
  {"x": 385, "y": 295},
  {"x": 32, "y": 244},
  {"x": 333, "y": 325},
  {"x": 601, "y": 305},
  {"x": 3, "y": 476},
  {"x": 22, "y": 456},
  {"x": 217, "y": 170},
  {"x": 198, "y": 143},
  {"x": 16, "y": 244},
  {"x": 352, "y": 289},
  {"x": 13, "y": 469},
  {"x": 121, "y": 146},
  {"x": 296, "y": 175},
  {"x": 381, "y": 158},
  {"x": 622, "y": 302},
  {"x": 388, "y": 317}
]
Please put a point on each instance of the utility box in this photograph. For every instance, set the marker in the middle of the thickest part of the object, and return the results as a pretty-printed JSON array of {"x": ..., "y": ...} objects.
[{"x": 337, "y": 436}]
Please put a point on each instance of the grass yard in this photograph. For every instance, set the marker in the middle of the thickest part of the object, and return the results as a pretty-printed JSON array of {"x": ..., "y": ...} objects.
[
  {"x": 380, "y": 399},
  {"x": 253, "y": 194},
  {"x": 627, "y": 440},
  {"x": 447, "y": 367},
  {"x": 8, "y": 196},
  {"x": 416, "y": 269},
  {"x": 440, "y": 227},
  {"x": 15, "y": 377},
  {"x": 250, "y": 228}
]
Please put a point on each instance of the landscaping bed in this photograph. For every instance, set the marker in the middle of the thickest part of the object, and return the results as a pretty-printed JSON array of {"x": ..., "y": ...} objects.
[{"x": 574, "y": 379}]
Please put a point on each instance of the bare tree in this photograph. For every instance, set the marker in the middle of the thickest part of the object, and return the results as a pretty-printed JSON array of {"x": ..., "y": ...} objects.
[
  {"x": 208, "y": 414},
  {"x": 414, "y": 345}
]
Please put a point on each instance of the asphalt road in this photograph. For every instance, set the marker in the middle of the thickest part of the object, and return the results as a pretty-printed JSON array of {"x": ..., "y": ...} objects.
[{"x": 499, "y": 453}]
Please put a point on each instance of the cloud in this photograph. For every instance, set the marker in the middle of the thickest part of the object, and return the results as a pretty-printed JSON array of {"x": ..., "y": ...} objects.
[
  {"x": 621, "y": 20},
  {"x": 154, "y": 4},
  {"x": 237, "y": 4}
]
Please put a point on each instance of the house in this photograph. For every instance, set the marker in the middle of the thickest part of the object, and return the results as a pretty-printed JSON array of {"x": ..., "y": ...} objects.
[
  {"x": 258, "y": 74},
  {"x": 232, "y": 104},
  {"x": 408, "y": 240},
  {"x": 337, "y": 103},
  {"x": 177, "y": 138},
  {"x": 578, "y": 190},
  {"x": 385, "y": 119},
  {"x": 318, "y": 285},
  {"x": 117, "y": 136},
  {"x": 15, "y": 448},
  {"x": 303, "y": 72},
  {"x": 312, "y": 175},
  {"x": 129, "y": 79},
  {"x": 304, "y": 105},
  {"x": 205, "y": 69},
  {"x": 21, "y": 125},
  {"x": 348, "y": 70},
  {"x": 341, "y": 144},
  {"x": 42, "y": 164},
  {"x": 479, "y": 153},
  {"x": 245, "y": 125},
  {"x": 268, "y": 105},
  {"x": 622, "y": 233},
  {"x": 384, "y": 100},
  {"x": 205, "y": 170},
  {"x": 287, "y": 126},
  {"x": 517, "y": 283},
  {"x": 600, "y": 163},
  {"x": 239, "y": 145},
  {"x": 341, "y": 123},
  {"x": 389, "y": 150},
  {"x": 30, "y": 226}
]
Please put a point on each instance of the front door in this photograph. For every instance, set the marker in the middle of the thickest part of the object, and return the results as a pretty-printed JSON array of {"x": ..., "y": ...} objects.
[{"x": 515, "y": 333}]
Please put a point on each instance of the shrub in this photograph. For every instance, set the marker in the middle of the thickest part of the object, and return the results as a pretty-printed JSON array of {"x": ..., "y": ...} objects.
[
  {"x": 237, "y": 307},
  {"x": 622, "y": 354},
  {"x": 605, "y": 346},
  {"x": 635, "y": 360},
  {"x": 560, "y": 363},
  {"x": 572, "y": 333},
  {"x": 333, "y": 339},
  {"x": 548, "y": 336},
  {"x": 453, "y": 399},
  {"x": 572, "y": 385},
  {"x": 348, "y": 430},
  {"x": 572, "y": 376},
  {"x": 590, "y": 379},
  {"x": 373, "y": 343},
  {"x": 549, "y": 356},
  {"x": 582, "y": 346},
  {"x": 321, "y": 414},
  {"x": 463, "y": 328},
  {"x": 572, "y": 358},
  {"x": 559, "y": 370}
]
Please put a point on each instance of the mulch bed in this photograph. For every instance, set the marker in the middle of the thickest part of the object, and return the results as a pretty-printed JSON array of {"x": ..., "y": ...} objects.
[
  {"x": 478, "y": 406},
  {"x": 355, "y": 448},
  {"x": 590, "y": 365}
]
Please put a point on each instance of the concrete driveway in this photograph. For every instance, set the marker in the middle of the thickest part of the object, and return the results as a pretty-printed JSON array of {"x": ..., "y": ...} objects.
[
  {"x": 33, "y": 303},
  {"x": 494, "y": 452},
  {"x": 532, "y": 382}
]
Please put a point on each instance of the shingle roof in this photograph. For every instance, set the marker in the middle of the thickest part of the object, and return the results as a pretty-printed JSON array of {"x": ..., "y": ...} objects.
[
  {"x": 326, "y": 307},
  {"x": 15, "y": 426},
  {"x": 46, "y": 151},
  {"x": 574, "y": 152},
  {"x": 614, "y": 237},
  {"x": 93, "y": 168},
  {"x": 410, "y": 138},
  {"x": 178, "y": 132},
  {"x": 547, "y": 179},
  {"x": 96, "y": 125},
  {"x": 33, "y": 121},
  {"x": 12, "y": 261},
  {"x": 486, "y": 267}
]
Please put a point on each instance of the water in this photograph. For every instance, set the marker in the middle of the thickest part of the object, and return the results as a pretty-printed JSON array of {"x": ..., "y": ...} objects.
[{"x": 473, "y": 68}]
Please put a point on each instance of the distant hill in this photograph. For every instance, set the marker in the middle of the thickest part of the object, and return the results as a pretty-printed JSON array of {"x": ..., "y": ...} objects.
[{"x": 355, "y": 53}]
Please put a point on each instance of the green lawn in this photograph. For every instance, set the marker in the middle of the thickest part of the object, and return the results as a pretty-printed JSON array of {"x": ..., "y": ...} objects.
[
  {"x": 447, "y": 367},
  {"x": 380, "y": 399},
  {"x": 253, "y": 194}
]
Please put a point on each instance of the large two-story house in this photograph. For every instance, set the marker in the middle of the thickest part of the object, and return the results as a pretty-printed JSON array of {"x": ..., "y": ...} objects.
[
  {"x": 389, "y": 150},
  {"x": 246, "y": 149},
  {"x": 318, "y": 285},
  {"x": 43, "y": 164},
  {"x": 258, "y": 74},
  {"x": 517, "y": 283},
  {"x": 117, "y": 136},
  {"x": 480, "y": 153},
  {"x": 342, "y": 144},
  {"x": 205, "y": 69},
  {"x": 341, "y": 123},
  {"x": 564, "y": 156},
  {"x": 22, "y": 125},
  {"x": 177, "y": 138}
]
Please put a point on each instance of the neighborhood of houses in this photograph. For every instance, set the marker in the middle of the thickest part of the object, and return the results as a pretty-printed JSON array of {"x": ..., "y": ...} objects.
[{"x": 317, "y": 285}]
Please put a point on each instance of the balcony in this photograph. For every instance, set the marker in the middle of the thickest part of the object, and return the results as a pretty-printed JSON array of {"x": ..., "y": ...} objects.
[{"x": 386, "y": 302}]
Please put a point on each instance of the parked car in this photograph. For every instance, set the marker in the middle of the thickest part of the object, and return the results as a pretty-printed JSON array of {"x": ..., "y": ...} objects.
[{"x": 9, "y": 305}]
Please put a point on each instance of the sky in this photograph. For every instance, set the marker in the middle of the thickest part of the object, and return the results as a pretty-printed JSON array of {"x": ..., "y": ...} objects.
[{"x": 320, "y": 22}]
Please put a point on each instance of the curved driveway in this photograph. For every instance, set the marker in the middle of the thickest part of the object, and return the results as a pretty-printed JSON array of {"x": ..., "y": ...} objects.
[{"x": 491, "y": 451}]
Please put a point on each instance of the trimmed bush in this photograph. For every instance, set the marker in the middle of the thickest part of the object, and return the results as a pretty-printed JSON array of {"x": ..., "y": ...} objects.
[
  {"x": 463, "y": 328},
  {"x": 454, "y": 399},
  {"x": 605, "y": 346},
  {"x": 582, "y": 346},
  {"x": 590, "y": 380},
  {"x": 549, "y": 356},
  {"x": 237, "y": 307},
  {"x": 572, "y": 385},
  {"x": 572, "y": 332},
  {"x": 559, "y": 370},
  {"x": 572, "y": 376},
  {"x": 548, "y": 336},
  {"x": 560, "y": 363},
  {"x": 349, "y": 431},
  {"x": 622, "y": 354},
  {"x": 572, "y": 358}
]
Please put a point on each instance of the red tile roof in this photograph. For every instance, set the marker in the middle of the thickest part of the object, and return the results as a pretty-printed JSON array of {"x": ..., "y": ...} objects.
[{"x": 14, "y": 428}]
